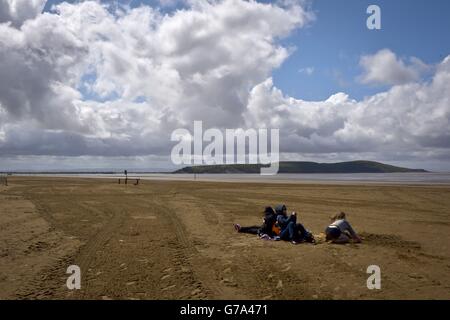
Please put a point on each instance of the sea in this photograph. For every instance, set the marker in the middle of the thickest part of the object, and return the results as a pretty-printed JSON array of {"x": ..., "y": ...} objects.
[{"x": 344, "y": 178}]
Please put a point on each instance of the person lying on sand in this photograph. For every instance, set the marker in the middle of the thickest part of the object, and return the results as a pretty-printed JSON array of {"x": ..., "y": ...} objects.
[
  {"x": 290, "y": 229},
  {"x": 340, "y": 231},
  {"x": 267, "y": 230}
]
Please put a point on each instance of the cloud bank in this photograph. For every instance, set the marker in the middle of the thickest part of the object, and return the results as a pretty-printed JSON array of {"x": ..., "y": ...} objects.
[{"x": 86, "y": 81}]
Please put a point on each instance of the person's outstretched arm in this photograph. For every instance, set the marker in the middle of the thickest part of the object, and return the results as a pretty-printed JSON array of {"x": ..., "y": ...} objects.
[{"x": 352, "y": 232}]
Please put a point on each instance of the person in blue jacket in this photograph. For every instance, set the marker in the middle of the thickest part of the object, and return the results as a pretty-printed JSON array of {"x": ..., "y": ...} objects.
[{"x": 290, "y": 229}]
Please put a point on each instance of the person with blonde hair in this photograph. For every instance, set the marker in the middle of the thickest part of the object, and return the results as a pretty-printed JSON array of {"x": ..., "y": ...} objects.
[{"x": 340, "y": 230}]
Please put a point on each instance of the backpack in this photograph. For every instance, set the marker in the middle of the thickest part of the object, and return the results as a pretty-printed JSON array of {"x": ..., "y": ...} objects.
[
  {"x": 276, "y": 230},
  {"x": 269, "y": 225}
]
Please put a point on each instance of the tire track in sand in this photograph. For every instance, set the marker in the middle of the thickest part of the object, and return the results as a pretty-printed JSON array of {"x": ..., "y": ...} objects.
[
  {"x": 88, "y": 252},
  {"x": 209, "y": 269},
  {"x": 187, "y": 253}
]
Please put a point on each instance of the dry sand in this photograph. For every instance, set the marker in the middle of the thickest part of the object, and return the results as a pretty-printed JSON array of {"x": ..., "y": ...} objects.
[{"x": 175, "y": 240}]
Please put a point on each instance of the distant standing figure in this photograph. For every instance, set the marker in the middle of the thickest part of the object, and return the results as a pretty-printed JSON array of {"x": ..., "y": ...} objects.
[{"x": 340, "y": 230}]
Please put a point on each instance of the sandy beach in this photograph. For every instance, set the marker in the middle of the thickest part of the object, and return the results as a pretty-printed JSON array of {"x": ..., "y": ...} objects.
[{"x": 175, "y": 240}]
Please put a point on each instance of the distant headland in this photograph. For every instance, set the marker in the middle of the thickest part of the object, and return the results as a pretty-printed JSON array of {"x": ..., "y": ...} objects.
[{"x": 302, "y": 167}]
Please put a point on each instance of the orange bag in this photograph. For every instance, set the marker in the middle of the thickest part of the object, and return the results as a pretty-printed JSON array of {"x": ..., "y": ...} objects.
[{"x": 276, "y": 229}]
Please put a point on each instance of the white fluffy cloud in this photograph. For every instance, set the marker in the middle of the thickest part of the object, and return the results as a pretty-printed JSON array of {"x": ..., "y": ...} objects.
[
  {"x": 403, "y": 122},
  {"x": 17, "y": 11},
  {"x": 153, "y": 72},
  {"x": 385, "y": 68},
  {"x": 89, "y": 82}
]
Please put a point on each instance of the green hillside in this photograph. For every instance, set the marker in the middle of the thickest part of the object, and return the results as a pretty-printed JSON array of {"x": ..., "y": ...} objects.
[{"x": 302, "y": 167}]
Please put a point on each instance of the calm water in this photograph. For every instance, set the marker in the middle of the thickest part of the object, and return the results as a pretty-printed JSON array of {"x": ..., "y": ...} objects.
[{"x": 402, "y": 178}]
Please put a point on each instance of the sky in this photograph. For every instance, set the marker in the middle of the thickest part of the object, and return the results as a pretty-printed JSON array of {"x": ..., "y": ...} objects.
[{"x": 102, "y": 84}]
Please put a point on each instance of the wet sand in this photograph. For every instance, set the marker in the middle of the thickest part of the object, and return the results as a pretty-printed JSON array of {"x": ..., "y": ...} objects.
[{"x": 175, "y": 240}]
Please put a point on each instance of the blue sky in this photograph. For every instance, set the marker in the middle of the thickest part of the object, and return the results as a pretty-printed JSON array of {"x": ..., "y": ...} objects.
[{"x": 333, "y": 44}]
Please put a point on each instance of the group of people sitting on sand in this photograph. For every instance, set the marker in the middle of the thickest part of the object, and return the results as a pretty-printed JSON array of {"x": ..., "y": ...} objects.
[{"x": 277, "y": 225}]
